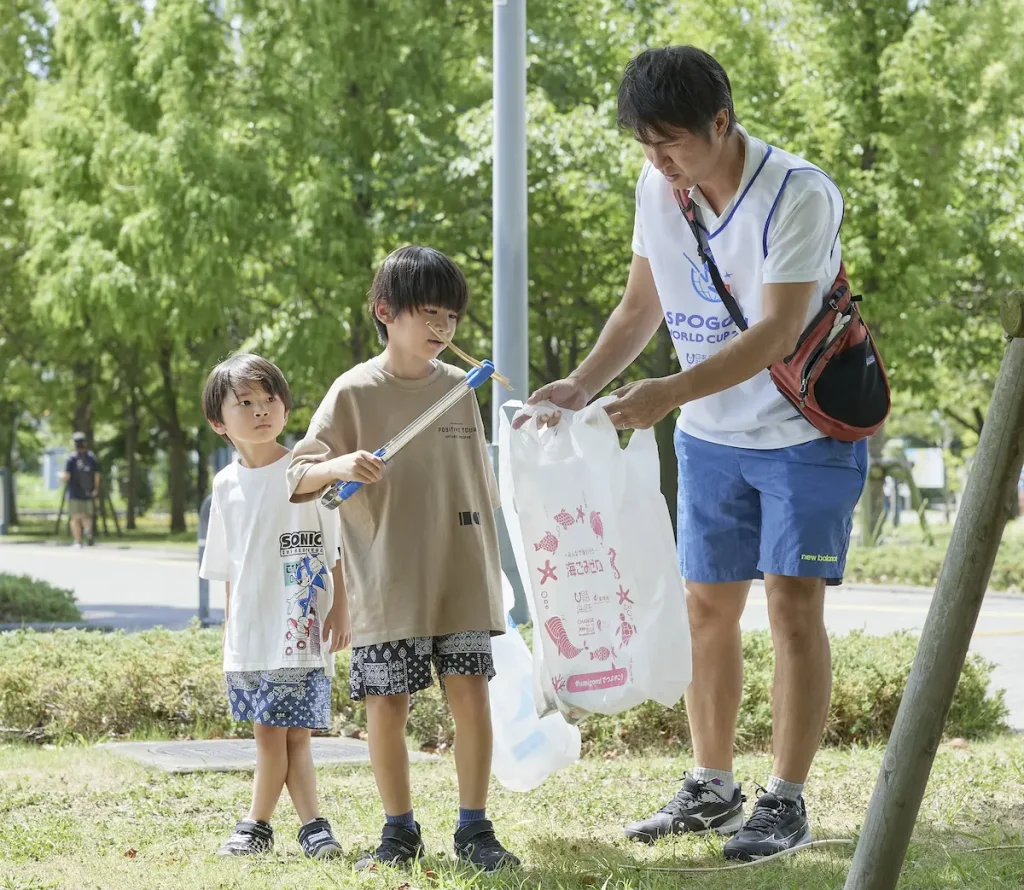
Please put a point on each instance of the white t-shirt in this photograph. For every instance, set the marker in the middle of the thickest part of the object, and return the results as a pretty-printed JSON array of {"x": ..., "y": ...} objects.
[
  {"x": 278, "y": 558},
  {"x": 782, "y": 226}
]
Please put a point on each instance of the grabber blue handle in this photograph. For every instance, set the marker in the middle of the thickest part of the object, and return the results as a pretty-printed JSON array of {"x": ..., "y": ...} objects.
[
  {"x": 342, "y": 491},
  {"x": 479, "y": 376}
]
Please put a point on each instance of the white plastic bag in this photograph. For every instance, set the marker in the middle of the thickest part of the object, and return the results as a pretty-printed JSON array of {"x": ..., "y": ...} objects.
[
  {"x": 527, "y": 748},
  {"x": 594, "y": 545}
]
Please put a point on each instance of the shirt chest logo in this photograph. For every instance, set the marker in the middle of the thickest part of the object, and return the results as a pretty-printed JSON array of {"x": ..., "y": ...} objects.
[{"x": 703, "y": 286}]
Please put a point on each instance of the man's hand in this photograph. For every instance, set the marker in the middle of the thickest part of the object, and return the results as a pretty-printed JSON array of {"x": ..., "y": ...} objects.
[
  {"x": 569, "y": 394},
  {"x": 359, "y": 466},
  {"x": 641, "y": 405},
  {"x": 338, "y": 626}
]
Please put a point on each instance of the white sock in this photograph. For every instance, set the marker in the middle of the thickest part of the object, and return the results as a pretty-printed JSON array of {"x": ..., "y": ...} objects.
[
  {"x": 720, "y": 781},
  {"x": 784, "y": 790}
]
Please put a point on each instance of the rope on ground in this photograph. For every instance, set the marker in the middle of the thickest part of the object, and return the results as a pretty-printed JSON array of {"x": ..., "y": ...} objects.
[
  {"x": 813, "y": 845},
  {"x": 825, "y": 842}
]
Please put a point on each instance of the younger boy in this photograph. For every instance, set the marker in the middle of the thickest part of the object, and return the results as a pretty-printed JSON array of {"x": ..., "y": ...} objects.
[
  {"x": 419, "y": 548},
  {"x": 283, "y": 622}
]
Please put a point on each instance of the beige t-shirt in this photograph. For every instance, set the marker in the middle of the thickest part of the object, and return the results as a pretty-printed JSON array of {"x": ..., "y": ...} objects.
[{"x": 420, "y": 547}]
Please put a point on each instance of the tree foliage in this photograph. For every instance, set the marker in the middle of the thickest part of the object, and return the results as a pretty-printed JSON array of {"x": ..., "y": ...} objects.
[{"x": 182, "y": 179}]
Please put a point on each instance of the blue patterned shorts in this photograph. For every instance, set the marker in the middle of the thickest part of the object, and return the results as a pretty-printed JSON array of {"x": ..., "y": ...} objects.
[
  {"x": 292, "y": 697},
  {"x": 402, "y": 667}
]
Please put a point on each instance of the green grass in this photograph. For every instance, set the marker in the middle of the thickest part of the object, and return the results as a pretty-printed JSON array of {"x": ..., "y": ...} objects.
[
  {"x": 81, "y": 818},
  {"x": 151, "y": 531},
  {"x": 904, "y": 558}
]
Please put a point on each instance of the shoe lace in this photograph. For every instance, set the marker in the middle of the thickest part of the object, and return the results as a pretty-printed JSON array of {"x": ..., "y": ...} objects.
[
  {"x": 686, "y": 796},
  {"x": 767, "y": 813}
]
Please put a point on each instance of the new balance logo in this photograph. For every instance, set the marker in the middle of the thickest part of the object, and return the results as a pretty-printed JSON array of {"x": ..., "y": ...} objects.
[{"x": 469, "y": 518}]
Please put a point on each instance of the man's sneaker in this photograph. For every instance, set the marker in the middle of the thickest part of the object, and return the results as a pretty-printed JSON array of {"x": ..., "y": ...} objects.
[
  {"x": 398, "y": 845},
  {"x": 695, "y": 808},
  {"x": 776, "y": 825},
  {"x": 250, "y": 839},
  {"x": 476, "y": 844},
  {"x": 318, "y": 841}
]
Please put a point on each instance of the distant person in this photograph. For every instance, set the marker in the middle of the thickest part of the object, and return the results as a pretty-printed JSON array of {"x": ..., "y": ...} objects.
[{"x": 82, "y": 476}]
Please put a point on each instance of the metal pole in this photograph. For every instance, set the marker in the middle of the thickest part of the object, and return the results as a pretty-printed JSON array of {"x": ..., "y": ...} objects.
[
  {"x": 947, "y": 632},
  {"x": 511, "y": 346},
  {"x": 510, "y": 319},
  {"x": 204, "y": 585}
]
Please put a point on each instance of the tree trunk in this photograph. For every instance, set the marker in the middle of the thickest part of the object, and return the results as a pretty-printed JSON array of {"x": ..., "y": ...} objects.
[
  {"x": 82, "y": 419},
  {"x": 176, "y": 445},
  {"x": 131, "y": 447},
  {"x": 11, "y": 445},
  {"x": 202, "y": 470},
  {"x": 872, "y": 502}
]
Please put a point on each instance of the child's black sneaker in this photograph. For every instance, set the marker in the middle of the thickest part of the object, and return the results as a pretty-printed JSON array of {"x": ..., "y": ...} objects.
[
  {"x": 318, "y": 841},
  {"x": 250, "y": 839},
  {"x": 398, "y": 845},
  {"x": 776, "y": 825},
  {"x": 477, "y": 845}
]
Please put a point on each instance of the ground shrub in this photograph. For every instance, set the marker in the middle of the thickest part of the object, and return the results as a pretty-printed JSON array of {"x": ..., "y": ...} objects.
[
  {"x": 24, "y": 599},
  {"x": 89, "y": 685}
]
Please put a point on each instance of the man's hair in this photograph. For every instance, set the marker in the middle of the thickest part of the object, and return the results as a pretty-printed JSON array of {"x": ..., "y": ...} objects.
[
  {"x": 672, "y": 88},
  {"x": 241, "y": 371},
  {"x": 414, "y": 278}
]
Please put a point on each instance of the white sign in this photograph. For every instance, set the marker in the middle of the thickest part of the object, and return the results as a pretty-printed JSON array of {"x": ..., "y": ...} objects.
[{"x": 928, "y": 468}]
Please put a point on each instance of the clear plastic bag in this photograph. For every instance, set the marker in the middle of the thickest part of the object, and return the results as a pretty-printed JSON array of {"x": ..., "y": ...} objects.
[
  {"x": 527, "y": 748},
  {"x": 594, "y": 546}
]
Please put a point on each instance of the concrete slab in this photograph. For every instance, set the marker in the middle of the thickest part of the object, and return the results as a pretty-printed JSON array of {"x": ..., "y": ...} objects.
[{"x": 238, "y": 755}]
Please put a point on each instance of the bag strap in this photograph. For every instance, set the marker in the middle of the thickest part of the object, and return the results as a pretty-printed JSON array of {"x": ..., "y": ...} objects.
[{"x": 689, "y": 210}]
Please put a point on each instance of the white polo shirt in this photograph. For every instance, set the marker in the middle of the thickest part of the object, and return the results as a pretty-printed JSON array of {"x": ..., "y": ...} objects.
[{"x": 781, "y": 226}]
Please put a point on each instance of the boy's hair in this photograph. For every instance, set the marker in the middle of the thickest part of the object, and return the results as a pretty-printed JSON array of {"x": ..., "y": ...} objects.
[
  {"x": 244, "y": 369},
  {"x": 671, "y": 88},
  {"x": 413, "y": 278}
]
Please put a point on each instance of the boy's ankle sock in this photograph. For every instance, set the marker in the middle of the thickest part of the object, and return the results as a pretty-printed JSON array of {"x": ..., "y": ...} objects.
[
  {"x": 720, "y": 781},
  {"x": 468, "y": 816},
  {"x": 784, "y": 790},
  {"x": 406, "y": 820}
]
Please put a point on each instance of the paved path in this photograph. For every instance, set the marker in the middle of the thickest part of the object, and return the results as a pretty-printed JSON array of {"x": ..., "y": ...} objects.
[
  {"x": 135, "y": 588},
  {"x": 120, "y": 587}
]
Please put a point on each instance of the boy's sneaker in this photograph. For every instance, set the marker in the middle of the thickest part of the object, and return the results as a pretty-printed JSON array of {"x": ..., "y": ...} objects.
[
  {"x": 250, "y": 839},
  {"x": 776, "y": 825},
  {"x": 477, "y": 845},
  {"x": 398, "y": 846},
  {"x": 695, "y": 809},
  {"x": 318, "y": 841}
]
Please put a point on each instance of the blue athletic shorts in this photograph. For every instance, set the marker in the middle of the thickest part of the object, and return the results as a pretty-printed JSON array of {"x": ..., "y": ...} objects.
[{"x": 745, "y": 512}]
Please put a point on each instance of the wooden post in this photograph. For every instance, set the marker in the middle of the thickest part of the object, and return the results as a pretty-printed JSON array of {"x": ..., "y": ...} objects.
[{"x": 947, "y": 633}]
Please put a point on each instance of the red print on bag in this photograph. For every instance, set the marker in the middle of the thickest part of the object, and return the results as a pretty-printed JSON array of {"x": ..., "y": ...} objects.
[
  {"x": 581, "y": 516},
  {"x": 625, "y": 630},
  {"x": 547, "y": 572},
  {"x": 549, "y": 542},
  {"x": 565, "y": 519},
  {"x": 602, "y": 654},
  {"x": 556, "y": 630},
  {"x": 624, "y": 596},
  {"x": 611, "y": 560},
  {"x": 596, "y": 525}
]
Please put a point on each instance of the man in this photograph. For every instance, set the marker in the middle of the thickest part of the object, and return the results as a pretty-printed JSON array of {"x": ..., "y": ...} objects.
[
  {"x": 82, "y": 476},
  {"x": 761, "y": 492}
]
